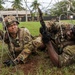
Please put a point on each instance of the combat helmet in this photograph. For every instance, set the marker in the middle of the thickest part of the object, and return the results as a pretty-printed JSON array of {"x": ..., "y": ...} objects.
[{"x": 8, "y": 20}]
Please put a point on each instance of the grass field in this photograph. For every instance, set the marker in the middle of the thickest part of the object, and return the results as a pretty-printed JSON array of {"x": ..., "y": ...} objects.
[{"x": 38, "y": 64}]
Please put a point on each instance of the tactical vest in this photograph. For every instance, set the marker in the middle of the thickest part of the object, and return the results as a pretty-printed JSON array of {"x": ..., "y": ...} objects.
[
  {"x": 17, "y": 44},
  {"x": 61, "y": 39}
]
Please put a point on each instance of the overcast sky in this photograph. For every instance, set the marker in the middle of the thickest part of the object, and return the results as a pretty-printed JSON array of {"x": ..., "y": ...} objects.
[{"x": 44, "y": 3}]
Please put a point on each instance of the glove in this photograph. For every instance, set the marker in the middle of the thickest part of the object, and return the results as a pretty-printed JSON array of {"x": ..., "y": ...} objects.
[
  {"x": 9, "y": 63},
  {"x": 45, "y": 35}
]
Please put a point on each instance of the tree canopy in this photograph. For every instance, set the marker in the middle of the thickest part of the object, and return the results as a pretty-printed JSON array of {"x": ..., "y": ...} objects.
[
  {"x": 1, "y": 6},
  {"x": 35, "y": 4},
  {"x": 16, "y": 4},
  {"x": 63, "y": 7}
]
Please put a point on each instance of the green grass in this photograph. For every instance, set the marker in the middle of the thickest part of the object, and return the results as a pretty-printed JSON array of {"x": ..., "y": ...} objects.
[{"x": 32, "y": 26}]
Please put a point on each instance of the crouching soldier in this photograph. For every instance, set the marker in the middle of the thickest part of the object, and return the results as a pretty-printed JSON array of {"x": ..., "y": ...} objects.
[{"x": 19, "y": 41}]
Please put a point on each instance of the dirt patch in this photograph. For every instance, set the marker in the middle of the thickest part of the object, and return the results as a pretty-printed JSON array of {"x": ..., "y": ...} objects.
[
  {"x": 30, "y": 66},
  {"x": 35, "y": 63}
]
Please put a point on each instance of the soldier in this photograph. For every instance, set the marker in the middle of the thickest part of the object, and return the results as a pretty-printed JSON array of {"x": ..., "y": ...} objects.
[
  {"x": 19, "y": 40},
  {"x": 60, "y": 43}
]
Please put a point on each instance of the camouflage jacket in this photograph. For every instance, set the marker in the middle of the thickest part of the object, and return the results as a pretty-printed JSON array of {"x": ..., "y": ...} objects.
[
  {"x": 17, "y": 44},
  {"x": 61, "y": 40}
]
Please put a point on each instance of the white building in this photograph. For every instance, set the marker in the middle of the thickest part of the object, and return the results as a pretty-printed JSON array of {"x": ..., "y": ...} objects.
[{"x": 20, "y": 14}]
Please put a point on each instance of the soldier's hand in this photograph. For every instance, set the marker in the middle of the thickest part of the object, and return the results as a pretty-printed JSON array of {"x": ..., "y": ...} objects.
[
  {"x": 9, "y": 63},
  {"x": 45, "y": 35}
]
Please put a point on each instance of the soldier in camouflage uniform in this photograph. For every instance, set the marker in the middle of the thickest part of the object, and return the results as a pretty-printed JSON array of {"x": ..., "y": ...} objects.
[
  {"x": 61, "y": 44},
  {"x": 19, "y": 40}
]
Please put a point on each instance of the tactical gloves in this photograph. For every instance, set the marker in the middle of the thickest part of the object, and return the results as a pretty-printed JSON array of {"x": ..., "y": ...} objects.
[
  {"x": 10, "y": 63},
  {"x": 45, "y": 35}
]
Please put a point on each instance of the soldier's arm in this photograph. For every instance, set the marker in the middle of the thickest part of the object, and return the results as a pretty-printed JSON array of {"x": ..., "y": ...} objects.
[
  {"x": 64, "y": 59},
  {"x": 52, "y": 53},
  {"x": 57, "y": 60}
]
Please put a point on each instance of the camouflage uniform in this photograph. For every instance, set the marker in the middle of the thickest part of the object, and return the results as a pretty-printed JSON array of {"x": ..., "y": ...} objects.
[
  {"x": 63, "y": 41},
  {"x": 23, "y": 44}
]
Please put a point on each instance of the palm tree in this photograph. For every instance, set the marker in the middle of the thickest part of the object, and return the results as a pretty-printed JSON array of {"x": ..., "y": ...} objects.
[
  {"x": 35, "y": 6},
  {"x": 1, "y": 6},
  {"x": 17, "y": 5}
]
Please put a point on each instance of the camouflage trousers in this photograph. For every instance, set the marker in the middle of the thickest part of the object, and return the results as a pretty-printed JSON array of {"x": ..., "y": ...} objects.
[
  {"x": 68, "y": 55},
  {"x": 28, "y": 48}
]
